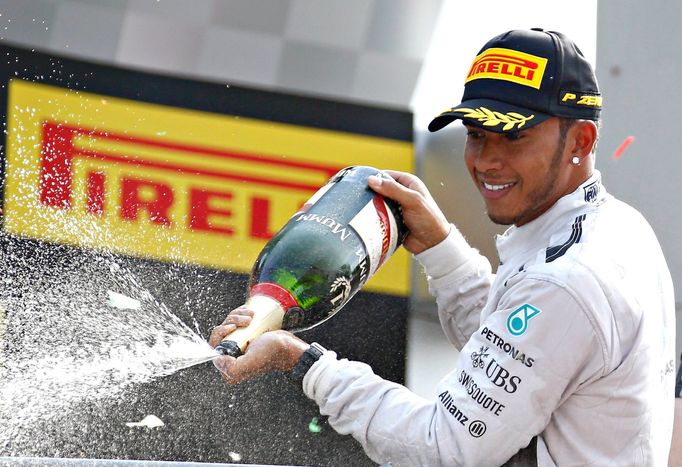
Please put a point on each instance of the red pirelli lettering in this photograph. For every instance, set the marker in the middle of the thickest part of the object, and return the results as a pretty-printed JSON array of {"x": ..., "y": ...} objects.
[
  {"x": 260, "y": 219},
  {"x": 203, "y": 210},
  {"x": 208, "y": 210},
  {"x": 500, "y": 64},
  {"x": 56, "y": 161},
  {"x": 135, "y": 197},
  {"x": 58, "y": 152},
  {"x": 95, "y": 193}
]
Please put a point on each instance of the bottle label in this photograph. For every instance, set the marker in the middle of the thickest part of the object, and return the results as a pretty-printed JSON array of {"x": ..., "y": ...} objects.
[
  {"x": 313, "y": 199},
  {"x": 378, "y": 230}
]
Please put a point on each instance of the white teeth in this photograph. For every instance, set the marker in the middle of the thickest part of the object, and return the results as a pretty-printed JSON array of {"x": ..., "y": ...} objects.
[{"x": 490, "y": 187}]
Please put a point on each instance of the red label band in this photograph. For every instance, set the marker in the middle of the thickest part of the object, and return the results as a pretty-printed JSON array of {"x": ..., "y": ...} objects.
[
  {"x": 386, "y": 233},
  {"x": 276, "y": 292}
]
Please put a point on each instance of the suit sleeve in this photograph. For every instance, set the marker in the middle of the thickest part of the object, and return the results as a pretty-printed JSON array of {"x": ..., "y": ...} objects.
[
  {"x": 509, "y": 378},
  {"x": 459, "y": 277}
]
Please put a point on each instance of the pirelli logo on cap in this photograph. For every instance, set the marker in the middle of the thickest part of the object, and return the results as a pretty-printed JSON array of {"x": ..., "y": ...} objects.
[{"x": 508, "y": 65}]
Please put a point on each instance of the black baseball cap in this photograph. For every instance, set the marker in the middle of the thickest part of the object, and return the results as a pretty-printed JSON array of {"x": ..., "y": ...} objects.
[{"x": 521, "y": 78}]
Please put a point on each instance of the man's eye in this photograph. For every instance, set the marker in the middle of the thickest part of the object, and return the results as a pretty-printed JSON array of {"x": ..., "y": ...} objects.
[{"x": 473, "y": 134}]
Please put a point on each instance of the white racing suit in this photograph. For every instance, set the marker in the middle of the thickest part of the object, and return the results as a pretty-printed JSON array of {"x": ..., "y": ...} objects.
[{"x": 571, "y": 343}]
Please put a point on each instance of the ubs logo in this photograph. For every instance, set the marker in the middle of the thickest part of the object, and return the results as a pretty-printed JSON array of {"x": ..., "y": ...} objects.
[
  {"x": 477, "y": 358},
  {"x": 496, "y": 373},
  {"x": 501, "y": 377}
]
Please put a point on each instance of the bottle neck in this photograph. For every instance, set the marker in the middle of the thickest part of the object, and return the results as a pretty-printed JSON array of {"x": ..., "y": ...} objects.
[{"x": 264, "y": 305}]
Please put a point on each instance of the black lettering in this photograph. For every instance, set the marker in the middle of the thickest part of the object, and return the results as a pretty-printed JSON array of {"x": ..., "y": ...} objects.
[
  {"x": 496, "y": 340},
  {"x": 510, "y": 350},
  {"x": 514, "y": 382},
  {"x": 478, "y": 395},
  {"x": 498, "y": 376},
  {"x": 507, "y": 348},
  {"x": 488, "y": 371},
  {"x": 446, "y": 399},
  {"x": 464, "y": 378}
]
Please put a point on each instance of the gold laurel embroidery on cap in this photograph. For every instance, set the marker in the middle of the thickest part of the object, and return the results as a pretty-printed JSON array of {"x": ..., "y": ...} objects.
[{"x": 492, "y": 118}]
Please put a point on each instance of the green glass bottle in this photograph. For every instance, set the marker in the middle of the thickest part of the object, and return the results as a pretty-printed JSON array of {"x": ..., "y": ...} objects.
[{"x": 323, "y": 255}]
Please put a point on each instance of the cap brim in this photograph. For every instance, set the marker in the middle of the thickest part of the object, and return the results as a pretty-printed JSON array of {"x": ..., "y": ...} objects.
[{"x": 490, "y": 115}]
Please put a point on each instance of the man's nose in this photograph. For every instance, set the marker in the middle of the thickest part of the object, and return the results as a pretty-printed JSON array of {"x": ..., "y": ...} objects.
[{"x": 489, "y": 156}]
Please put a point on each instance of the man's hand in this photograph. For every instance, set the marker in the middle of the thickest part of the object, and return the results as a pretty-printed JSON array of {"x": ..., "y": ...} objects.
[
  {"x": 422, "y": 216},
  {"x": 238, "y": 318},
  {"x": 273, "y": 351}
]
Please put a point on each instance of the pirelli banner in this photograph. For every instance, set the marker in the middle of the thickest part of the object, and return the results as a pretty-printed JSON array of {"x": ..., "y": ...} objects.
[
  {"x": 171, "y": 183},
  {"x": 166, "y": 171}
]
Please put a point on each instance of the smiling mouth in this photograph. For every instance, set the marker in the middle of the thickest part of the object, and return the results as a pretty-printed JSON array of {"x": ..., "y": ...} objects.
[{"x": 497, "y": 187}]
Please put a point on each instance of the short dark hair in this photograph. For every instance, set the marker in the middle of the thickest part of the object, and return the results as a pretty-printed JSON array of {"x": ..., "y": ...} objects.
[{"x": 565, "y": 124}]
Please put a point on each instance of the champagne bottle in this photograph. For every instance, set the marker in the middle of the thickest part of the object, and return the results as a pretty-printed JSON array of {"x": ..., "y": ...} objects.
[{"x": 322, "y": 256}]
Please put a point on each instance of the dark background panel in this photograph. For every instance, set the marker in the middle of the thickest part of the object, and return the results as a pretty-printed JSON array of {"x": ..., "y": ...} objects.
[{"x": 265, "y": 420}]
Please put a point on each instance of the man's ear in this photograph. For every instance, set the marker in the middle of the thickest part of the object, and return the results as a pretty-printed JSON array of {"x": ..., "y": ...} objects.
[{"x": 583, "y": 137}]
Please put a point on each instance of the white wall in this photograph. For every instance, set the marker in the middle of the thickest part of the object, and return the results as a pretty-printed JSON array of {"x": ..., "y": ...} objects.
[{"x": 639, "y": 71}]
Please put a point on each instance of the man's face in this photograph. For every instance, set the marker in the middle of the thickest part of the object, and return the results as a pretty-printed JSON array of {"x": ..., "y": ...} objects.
[{"x": 522, "y": 174}]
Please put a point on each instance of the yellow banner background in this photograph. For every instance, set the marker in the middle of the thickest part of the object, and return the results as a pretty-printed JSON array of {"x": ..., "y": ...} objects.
[{"x": 124, "y": 140}]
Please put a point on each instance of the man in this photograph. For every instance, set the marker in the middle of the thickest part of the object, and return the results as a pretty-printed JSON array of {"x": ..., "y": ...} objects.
[{"x": 568, "y": 349}]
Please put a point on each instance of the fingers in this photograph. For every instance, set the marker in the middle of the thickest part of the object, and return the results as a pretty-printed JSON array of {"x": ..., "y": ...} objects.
[
  {"x": 406, "y": 179},
  {"x": 219, "y": 333},
  {"x": 247, "y": 366},
  {"x": 400, "y": 188},
  {"x": 422, "y": 216},
  {"x": 237, "y": 314},
  {"x": 275, "y": 350},
  {"x": 232, "y": 370},
  {"x": 228, "y": 369},
  {"x": 238, "y": 318}
]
